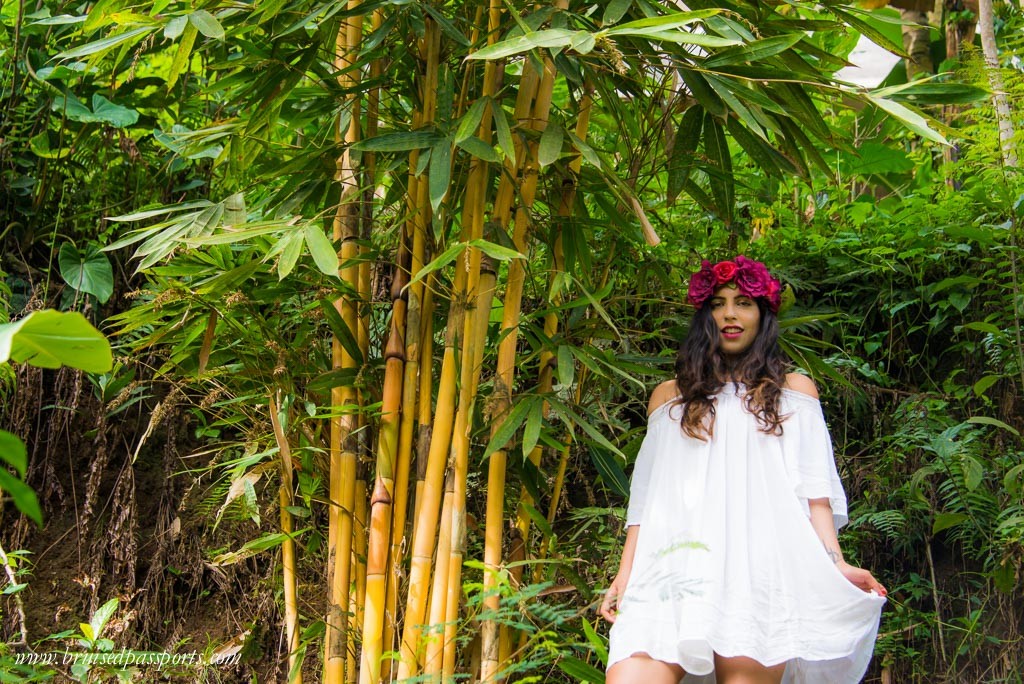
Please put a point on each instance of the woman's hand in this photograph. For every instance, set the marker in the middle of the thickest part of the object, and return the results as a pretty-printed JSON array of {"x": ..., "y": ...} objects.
[
  {"x": 610, "y": 605},
  {"x": 861, "y": 578}
]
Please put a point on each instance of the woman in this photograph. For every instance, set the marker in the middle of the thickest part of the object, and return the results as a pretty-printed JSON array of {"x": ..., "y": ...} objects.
[{"x": 731, "y": 568}]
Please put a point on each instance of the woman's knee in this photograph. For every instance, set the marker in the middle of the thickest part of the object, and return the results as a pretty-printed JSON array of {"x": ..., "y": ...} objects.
[
  {"x": 743, "y": 670},
  {"x": 640, "y": 668}
]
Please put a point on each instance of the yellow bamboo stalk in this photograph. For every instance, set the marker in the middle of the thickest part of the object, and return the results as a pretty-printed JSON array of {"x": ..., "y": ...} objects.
[
  {"x": 433, "y": 661},
  {"x": 344, "y": 399},
  {"x": 490, "y": 660},
  {"x": 477, "y": 325},
  {"x": 504, "y": 377},
  {"x": 383, "y": 491},
  {"x": 417, "y": 227},
  {"x": 428, "y": 500},
  {"x": 425, "y": 421},
  {"x": 291, "y": 610},
  {"x": 356, "y": 599}
]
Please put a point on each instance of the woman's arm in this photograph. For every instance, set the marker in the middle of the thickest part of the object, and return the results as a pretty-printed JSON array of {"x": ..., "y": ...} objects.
[
  {"x": 609, "y": 606},
  {"x": 821, "y": 521}
]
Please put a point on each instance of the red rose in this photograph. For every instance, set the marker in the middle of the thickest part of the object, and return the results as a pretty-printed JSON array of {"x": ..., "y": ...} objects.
[
  {"x": 702, "y": 284},
  {"x": 724, "y": 271}
]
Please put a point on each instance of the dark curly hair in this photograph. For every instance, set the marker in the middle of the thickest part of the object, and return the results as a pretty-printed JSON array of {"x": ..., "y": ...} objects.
[{"x": 702, "y": 370}]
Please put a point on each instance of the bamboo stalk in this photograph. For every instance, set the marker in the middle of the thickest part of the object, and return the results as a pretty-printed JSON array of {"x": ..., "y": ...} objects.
[
  {"x": 410, "y": 396},
  {"x": 291, "y": 610},
  {"x": 357, "y": 597},
  {"x": 429, "y": 499},
  {"x": 565, "y": 210},
  {"x": 476, "y": 333},
  {"x": 433, "y": 660},
  {"x": 383, "y": 491},
  {"x": 344, "y": 398}
]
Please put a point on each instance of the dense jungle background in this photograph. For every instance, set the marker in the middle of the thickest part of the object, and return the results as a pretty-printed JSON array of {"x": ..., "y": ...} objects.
[{"x": 330, "y": 324}]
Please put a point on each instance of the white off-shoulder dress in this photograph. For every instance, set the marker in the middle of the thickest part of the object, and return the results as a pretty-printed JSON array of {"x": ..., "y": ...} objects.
[{"x": 726, "y": 559}]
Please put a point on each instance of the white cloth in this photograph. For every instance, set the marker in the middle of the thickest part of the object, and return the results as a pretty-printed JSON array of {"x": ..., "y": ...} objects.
[{"x": 727, "y": 561}]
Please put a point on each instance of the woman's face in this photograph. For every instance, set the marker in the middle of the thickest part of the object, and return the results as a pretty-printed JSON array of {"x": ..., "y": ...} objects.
[{"x": 738, "y": 319}]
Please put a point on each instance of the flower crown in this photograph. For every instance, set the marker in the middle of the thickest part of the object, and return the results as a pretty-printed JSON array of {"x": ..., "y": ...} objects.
[{"x": 751, "y": 278}]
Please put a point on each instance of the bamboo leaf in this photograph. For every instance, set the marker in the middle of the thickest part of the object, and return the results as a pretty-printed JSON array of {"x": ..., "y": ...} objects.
[
  {"x": 684, "y": 148},
  {"x": 615, "y": 10},
  {"x": 508, "y": 427},
  {"x": 207, "y": 24},
  {"x": 566, "y": 365},
  {"x": 321, "y": 249},
  {"x": 175, "y": 26},
  {"x": 722, "y": 183},
  {"x": 160, "y": 211},
  {"x": 909, "y": 118},
  {"x": 291, "y": 249},
  {"x": 495, "y": 251},
  {"x": 447, "y": 27},
  {"x": 501, "y": 127},
  {"x": 757, "y": 51},
  {"x": 703, "y": 93},
  {"x": 402, "y": 141},
  {"x": 571, "y": 418},
  {"x": 685, "y": 38},
  {"x": 181, "y": 56},
  {"x": 105, "y": 43},
  {"x": 440, "y": 172},
  {"x": 341, "y": 332},
  {"x": 763, "y": 154},
  {"x": 470, "y": 121},
  {"x": 583, "y": 43},
  {"x": 579, "y": 670},
  {"x": 664, "y": 23},
  {"x": 531, "y": 433},
  {"x": 449, "y": 255},
  {"x": 869, "y": 31},
  {"x": 550, "y": 144},
  {"x": 479, "y": 149},
  {"x": 922, "y": 92},
  {"x": 547, "y": 38}
]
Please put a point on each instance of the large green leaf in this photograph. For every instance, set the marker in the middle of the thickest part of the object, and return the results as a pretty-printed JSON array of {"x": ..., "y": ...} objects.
[
  {"x": 12, "y": 450},
  {"x": 548, "y": 38},
  {"x": 716, "y": 146},
  {"x": 754, "y": 52},
  {"x": 89, "y": 271},
  {"x": 684, "y": 148},
  {"x": 22, "y": 495},
  {"x": 51, "y": 339},
  {"x": 133, "y": 35},
  {"x": 908, "y": 117}
]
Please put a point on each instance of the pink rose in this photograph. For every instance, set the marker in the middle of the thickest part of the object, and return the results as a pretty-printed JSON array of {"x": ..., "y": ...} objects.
[
  {"x": 752, "y": 277},
  {"x": 724, "y": 271}
]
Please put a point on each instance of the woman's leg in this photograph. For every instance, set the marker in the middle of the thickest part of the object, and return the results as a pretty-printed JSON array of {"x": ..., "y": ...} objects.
[
  {"x": 741, "y": 670},
  {"x": 641, "y": 668}
]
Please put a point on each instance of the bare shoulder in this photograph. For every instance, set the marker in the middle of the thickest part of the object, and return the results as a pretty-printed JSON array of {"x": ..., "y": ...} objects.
[
  {"x": 661, "y": 394},
  {"x": 801, "y": 383}
]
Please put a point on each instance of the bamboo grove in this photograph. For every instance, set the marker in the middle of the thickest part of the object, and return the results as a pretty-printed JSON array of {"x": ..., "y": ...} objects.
[{"x": 431, "y": 188}]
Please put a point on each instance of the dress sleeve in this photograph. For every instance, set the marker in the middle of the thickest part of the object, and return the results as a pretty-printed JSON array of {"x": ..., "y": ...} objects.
[
  {"x": 810, "y": 462},
  {"x": 641, "y": 477}
]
